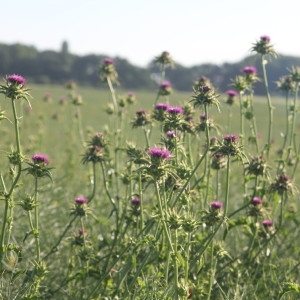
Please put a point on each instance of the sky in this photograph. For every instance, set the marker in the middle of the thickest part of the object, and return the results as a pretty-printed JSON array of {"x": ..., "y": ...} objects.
[{"x": 192, "y": 31}]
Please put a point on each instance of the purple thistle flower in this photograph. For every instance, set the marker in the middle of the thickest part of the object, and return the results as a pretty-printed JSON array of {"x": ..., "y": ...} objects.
[
  {"x": 256, "y": 201},
  {"x": 232, "y": 93},
  {"x": 230, "y": 138},
  {"x": 203, "y": 117},
  {"x": 213, "y": 140},
  {"x": 141, "y": 112},
  {"x": 170, "y": 134},
  {"x": 47, "y": 96},
  {"x": 267, "y": 223},
  {"x": 16, "y": 79},
  {"x": 95, "y": 149},
  {"x": 40, "y": 159},
  {"x": 82, "y": 231},
  {"x": 265, "y": 38},
  {"x": 98, "y": 134},
  {"x": 165, "y": 84},
  {"x": 218, "y": 155},
  {"x": 216, "y": 205},
  {"x": 81, "y": 200},
  {"x": 109, "y": 61},
  {"x": 136, "y": 201},
  {"x": 175, "y": 110},
  {"x": 206, "y": 89},
  {"x": 250, "y": 70},
  {"x": 162, "y": 106},
  {"x": 159, "y": 153},
  {"x": 62, "y": 100}
]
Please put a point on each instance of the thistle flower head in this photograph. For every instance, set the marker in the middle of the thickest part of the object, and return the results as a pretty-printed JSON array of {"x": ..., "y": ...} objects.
[
  {"x": 15, "y": 88},
  {"x": 204, "y": 95},
  {"x": 159, "y": 113},
  {"x": 175, "y": 110},
  {"x": 136, "y": 201},
  {"x": 232, "y": 93},
  {"x": 158, "y": 153},
  {"x": 107, "y": 70},
  {"x": 267, "y": 223},
  {"x": 142, "y": 118},
  {"x": 295, "y": 74},
  {"x": 282, "y": 184},
  {"x": 47, "y": 97},
  {"x": 40, "y": 159},
  {"x": 218, "y": 161},
  {"x": 98, "y": 139},
  {"x": 81, "y": 200},
  {"x": 216, "y": 205},
  {"x": 230, "y": 139},
  {"x": 250, "y": 70},
  {"x": 94, "y": 154},
  {"x": 162, "y": 106},
  {"x": 256, "y": 201},
  {"x": 38, "y": 166},
  {"x": 108, "y": 61},
  {"x": 286, "y": 84},
  {"x": 16, "y": 79},
  {"x": 231, "y": 96},
  {"x": 165, "y": 88},
  {"x": 171, "y": 134},
  {"x": 257, "y": 166},
  {"x": 264, "y": 46},
  {"x": 240, "y": 83},
  {"x": 165, "y": 59},
  {"x": 130, "y": 97},
  {"x": 202, "y": 81},
  {"x": 213, "y": 140},
  {"x": 229, "y": 146}
]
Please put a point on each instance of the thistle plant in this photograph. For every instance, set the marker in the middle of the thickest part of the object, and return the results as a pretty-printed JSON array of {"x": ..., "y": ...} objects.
[
  {"x": 14, "y": 90},
  {"x": 265, "y": 49}
]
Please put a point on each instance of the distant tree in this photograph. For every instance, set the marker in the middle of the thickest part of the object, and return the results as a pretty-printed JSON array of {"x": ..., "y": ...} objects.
[{"x": 59, "y": 67}]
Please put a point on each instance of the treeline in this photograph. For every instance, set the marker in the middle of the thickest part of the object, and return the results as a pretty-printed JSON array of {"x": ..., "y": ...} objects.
[{"x": 61, "y": 66}]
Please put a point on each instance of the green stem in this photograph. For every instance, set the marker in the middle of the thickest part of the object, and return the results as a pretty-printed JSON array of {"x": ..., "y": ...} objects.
[
  {"x": 253, "y": 122},
  {"x": 116, "y": 132},
  {"x": 146, "y": 132},
  {"x": 162, "y": 216},
  {"x": 212, "y": 270},
  {"x": 242, "y": 129},
  {"x": 227, "y": 187},
  {"x": 292, "y": 133},
  {"x": 79, "y": 122},
  {"x": 9, "y": 194},
  {"x": 188, "y": 247},
  {"x": 36, "y": 222},
  {"x": 94, "y": 183},
  {"x": 142, "y": 202},
  {"x": 270, "y": 106}
]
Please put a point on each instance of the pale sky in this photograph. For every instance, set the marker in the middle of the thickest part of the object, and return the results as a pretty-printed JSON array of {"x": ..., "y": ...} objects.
[{"x": 193, "y": 31}]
